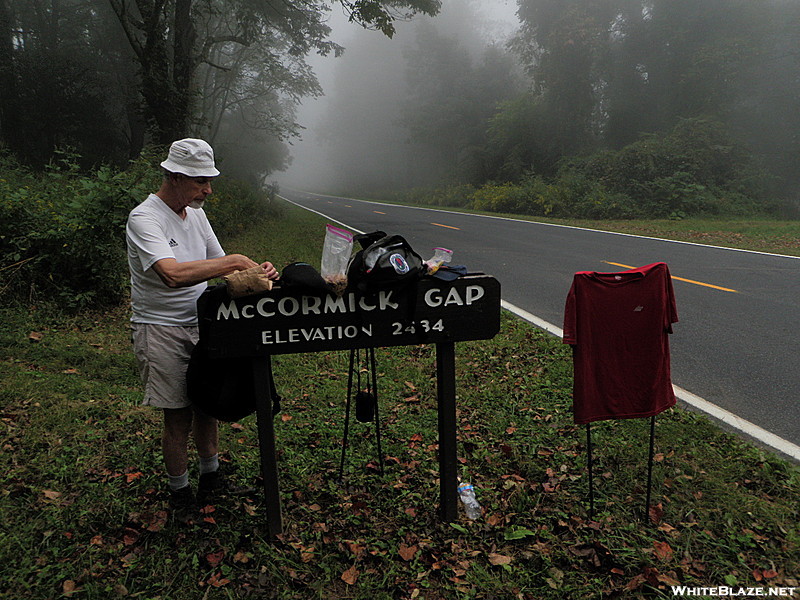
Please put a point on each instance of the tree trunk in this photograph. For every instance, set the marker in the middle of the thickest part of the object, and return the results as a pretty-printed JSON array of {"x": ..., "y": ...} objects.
[{"x": 9, "y": 111}]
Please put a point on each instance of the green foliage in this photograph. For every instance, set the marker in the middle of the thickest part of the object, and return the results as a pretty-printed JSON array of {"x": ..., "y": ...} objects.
[
  {"x": 451, "y": 195},
  {"x": 236, "y": 206},
  {"x": 694, "y": 170},
  {"x": 62, "y": 233}
]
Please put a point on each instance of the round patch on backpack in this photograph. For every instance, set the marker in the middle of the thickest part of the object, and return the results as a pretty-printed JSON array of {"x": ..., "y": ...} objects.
[{"x": 398, "y": 261}]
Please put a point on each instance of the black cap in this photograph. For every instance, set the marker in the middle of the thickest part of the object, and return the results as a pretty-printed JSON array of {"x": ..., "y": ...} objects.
[{"x": 304, "y": 276}]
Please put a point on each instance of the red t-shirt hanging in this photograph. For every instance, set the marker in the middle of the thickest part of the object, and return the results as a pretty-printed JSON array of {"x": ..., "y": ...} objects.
[{"x": 618, "y": 324}]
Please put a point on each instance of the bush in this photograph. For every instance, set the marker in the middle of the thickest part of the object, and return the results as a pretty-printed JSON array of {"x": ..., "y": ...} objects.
[
  {"x": 695, "y": 169},
  {"x": 452, "y": 195},
  {"x": 62, "y": 233},
  {"x": 511, "y": 198},
  {"x": 236, "y": 206}
]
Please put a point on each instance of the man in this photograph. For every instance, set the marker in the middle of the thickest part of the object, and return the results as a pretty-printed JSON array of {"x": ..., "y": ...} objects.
[{"x": 172, "y": 252}]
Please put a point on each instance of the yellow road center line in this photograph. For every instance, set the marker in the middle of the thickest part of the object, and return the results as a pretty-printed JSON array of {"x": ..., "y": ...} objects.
[
  {"x": 377, "y": 212},
  {"x": 716, "y": 287},
  {"x": 448, "y": 226}
]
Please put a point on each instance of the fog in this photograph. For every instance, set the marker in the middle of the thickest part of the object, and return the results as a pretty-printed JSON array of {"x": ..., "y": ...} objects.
[
  {"x": 356, "y": 136},
  {"x": 447, "y": 102}
]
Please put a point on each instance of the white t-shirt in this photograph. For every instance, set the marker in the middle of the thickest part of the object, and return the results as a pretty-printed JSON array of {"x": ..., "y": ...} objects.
[{"x": 154, "y": 231}]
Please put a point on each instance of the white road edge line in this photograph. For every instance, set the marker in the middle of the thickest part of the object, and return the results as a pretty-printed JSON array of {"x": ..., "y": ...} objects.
[
  {"x": 499, "y": 218},
  {"x": 736, "y": 422}
]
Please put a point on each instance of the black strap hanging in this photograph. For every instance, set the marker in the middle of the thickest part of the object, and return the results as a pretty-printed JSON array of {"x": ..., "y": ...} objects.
[{"x": 366, "y": 400}]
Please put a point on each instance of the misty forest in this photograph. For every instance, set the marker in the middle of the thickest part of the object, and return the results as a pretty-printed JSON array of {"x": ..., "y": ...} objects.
[
  {"x": 614, "y": 109},
  {"x": 677, "y": 119}
]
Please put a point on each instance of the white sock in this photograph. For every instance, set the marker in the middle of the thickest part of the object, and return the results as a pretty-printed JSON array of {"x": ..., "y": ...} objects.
[
  {"x": 177, "y": 482},
  {"x": 209, "y": 465}
]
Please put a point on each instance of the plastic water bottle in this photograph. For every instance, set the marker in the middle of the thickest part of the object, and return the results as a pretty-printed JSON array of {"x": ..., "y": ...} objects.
[{"x": 467, "y": 494}]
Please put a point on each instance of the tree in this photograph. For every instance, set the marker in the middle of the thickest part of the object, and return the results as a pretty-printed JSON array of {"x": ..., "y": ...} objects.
[
  {"x": 172, "y": 38},
  {"x": 58, "y": 73}
]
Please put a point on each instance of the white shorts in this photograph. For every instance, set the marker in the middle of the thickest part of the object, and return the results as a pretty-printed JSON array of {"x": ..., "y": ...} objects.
[{"x": 162, "y": 353}]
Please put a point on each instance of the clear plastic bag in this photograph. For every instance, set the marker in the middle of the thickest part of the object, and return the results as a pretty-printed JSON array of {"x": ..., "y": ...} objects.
[
  {"x": 440, "y": 257},
  {"x": 336, "y": 256}
]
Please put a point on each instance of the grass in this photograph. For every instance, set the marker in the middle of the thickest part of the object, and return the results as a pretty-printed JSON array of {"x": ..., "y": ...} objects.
[
  {"x": 82, "y": 506},
  {"x": 758, "y": 233}
]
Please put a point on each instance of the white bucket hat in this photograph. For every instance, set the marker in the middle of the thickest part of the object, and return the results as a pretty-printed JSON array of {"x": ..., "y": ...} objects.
[{"x": 191, "y": 157}]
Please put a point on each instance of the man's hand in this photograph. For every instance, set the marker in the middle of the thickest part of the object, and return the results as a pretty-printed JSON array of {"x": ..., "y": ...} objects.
[{"x": 270, "y": 270}]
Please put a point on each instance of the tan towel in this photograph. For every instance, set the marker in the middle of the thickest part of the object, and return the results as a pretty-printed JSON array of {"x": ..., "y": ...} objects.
[{"x": 247, "y": 282}]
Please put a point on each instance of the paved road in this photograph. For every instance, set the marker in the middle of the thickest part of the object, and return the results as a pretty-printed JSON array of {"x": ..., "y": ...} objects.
[{"x": 736, "y": 344}]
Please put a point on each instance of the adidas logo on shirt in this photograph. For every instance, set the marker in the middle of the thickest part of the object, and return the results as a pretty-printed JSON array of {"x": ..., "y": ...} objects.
[{"x": 172, "y": 243}]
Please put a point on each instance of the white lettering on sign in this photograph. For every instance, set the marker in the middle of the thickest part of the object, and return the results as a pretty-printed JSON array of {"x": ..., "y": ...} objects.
[
  {"x": 289, "y": 306},
  {"x": 314, "y": 334},
  {"x": 434, "y": 297}
]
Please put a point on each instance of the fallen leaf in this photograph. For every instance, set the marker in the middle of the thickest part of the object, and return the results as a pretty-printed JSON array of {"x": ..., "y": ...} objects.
[
  {"x": 666, "y": 528},
  {"x": 241, "y": 557},
  {"x": 216, "y": 580},
  {"x": 68, "y": 587},
  {"x": 70, "y": 371},
  {"x": 157, "y": 521},
  {"x": 350, "y": 576},
  {"x": 51, "y": 495},
  {"x": 656, "y": 513},
  {"x": 407, "y": 552},
  {"x": 130, "y": 536},
  {"x": 663, "y": 550},
  {"x": 35, "y": 336},
  {"x": 356, "y": 549},
  {"x": 214, "y": 558},
  {"x": 668, "y": 578},
  {"x": 494, "y": 519},
  {"x": 129, "y": 477},
  {"x": 285, "y": 417},
  {"x": 499, "y": 559}
]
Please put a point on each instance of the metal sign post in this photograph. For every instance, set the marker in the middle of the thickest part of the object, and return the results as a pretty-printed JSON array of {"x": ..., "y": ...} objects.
[{"x": 285, "y": 321}]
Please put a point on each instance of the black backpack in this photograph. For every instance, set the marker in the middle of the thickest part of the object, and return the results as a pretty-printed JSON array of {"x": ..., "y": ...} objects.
[
  {"x": 223, "y": 387},
  {"x": 383, "y": 261}
]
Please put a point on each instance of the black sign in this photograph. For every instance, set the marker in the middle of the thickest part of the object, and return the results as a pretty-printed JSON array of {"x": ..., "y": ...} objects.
[{"x": 285, "y": 321}]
